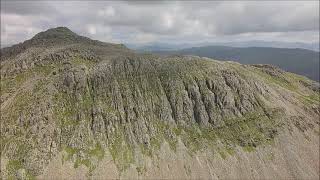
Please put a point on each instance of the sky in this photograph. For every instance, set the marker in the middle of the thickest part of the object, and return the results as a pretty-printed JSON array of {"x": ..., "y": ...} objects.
[{"x": 141, "y": 22}]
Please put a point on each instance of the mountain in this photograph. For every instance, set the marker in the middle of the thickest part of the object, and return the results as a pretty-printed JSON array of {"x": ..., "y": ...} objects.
[
  {"x": 300, "y": 61},
  {"x": 60, "y": 36},
  {"x": 74, "y": 108},
  {"x": 158, "y": 46},
  {"x": 274, "y": 44}
]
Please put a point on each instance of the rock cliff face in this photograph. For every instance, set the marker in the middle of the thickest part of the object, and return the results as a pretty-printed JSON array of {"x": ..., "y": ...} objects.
[{"x": 72, "y": 107}]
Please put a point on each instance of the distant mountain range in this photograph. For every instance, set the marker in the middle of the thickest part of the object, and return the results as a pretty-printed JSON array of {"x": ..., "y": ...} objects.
[
  {"x": 301, "y": 61},
  {"x": 158, "y": 46}
]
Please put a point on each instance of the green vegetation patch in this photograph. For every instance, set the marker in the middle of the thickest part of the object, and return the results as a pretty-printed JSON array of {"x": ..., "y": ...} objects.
[
  {"x": 280, "y": 80},
  {"x": 17, "y": 155},
  {"x": 250, "y": 131},
  {"x": 98, "y": 152},
  {"x": 68, "y": 108},
  {"x": 121, "y": 151},
  {"x": 310, "y": 99},
  {"x": 84, "y": 156},
  {"x": 81, "y": 61},
  {"x": 13, "y": 82}
]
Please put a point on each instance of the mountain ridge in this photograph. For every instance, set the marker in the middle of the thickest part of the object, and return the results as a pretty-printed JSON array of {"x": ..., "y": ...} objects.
[
  {"x": 158, "y": 46},
  {"x": 300, "y": 61},
  {"x": 91, "y": 111}
]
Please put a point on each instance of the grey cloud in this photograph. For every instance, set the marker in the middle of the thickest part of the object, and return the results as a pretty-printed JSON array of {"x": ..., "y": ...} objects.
[
  {"x": 127, "y": 21},
  {"x": 27, "y": 7},
  {"x": 252, "y": 16}
]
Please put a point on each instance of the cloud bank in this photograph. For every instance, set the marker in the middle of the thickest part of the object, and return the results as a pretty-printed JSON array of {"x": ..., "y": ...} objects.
[{"x": 163, "y": 21}]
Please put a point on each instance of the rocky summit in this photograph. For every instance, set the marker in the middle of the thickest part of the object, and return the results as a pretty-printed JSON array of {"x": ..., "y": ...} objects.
[{"x": 76, "y": 108}]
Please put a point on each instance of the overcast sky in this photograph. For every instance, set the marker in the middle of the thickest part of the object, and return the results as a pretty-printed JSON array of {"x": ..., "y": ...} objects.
[{"x": 168, "y": 22}]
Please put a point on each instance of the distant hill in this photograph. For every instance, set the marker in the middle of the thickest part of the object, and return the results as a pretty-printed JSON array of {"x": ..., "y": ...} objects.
[
  {"x": 300, "y": 61},
  {"x": 160, "y": 46},
  {"x": 314, "y": 46}
]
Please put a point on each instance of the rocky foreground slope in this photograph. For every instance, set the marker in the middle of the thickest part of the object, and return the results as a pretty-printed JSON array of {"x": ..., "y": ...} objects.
[{"x": 76, "y": 108}]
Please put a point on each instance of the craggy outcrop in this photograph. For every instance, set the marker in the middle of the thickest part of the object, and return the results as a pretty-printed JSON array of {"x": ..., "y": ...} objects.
[{"x": 84, "y": 99}]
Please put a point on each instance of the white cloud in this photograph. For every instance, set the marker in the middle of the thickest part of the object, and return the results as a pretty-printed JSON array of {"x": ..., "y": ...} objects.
[
  {"x": 168, "y": 20},
  {"x": 107, "y": 12},
  {"x": 16, "y": 28},
  {"x": 143, "y": 38},
  {"x": 91, "y": 29}
]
